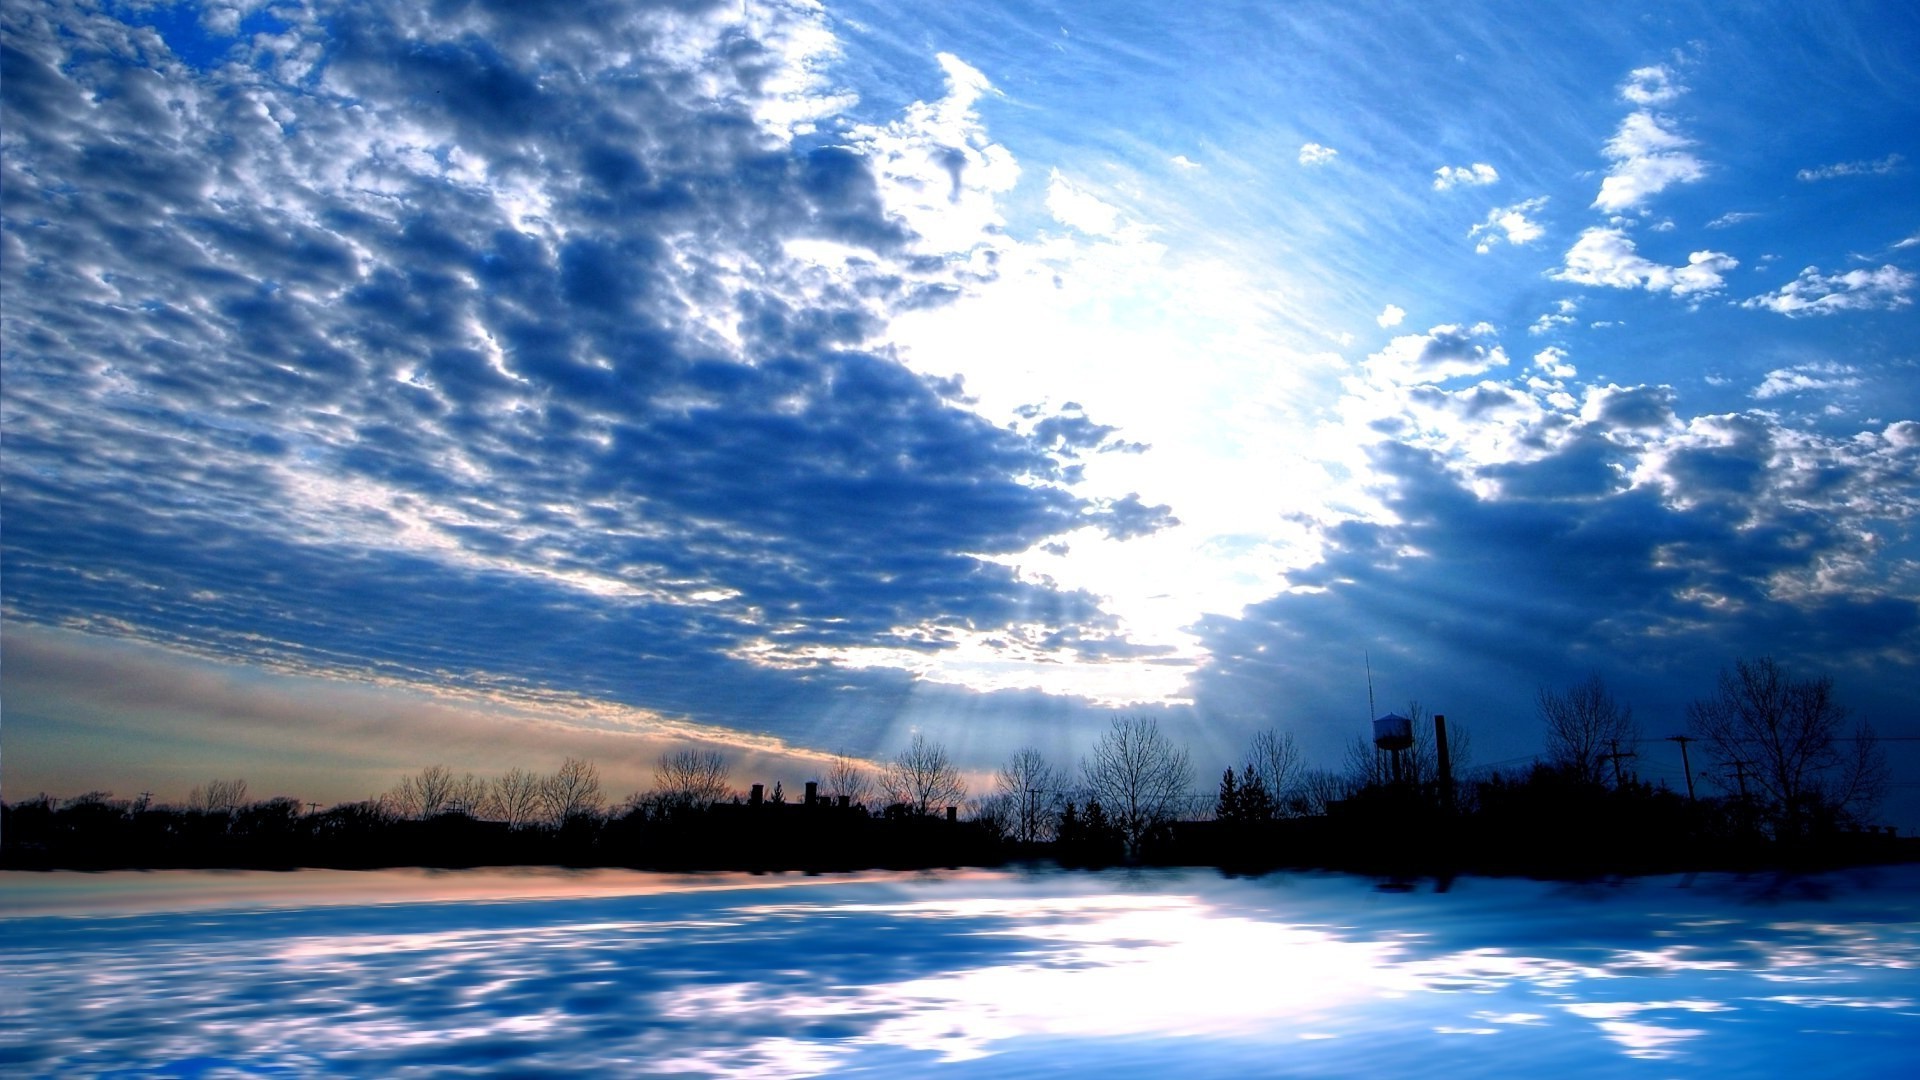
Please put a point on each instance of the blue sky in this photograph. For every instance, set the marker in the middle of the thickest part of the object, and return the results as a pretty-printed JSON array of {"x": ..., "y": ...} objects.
[{"x": 474, "y": 383}]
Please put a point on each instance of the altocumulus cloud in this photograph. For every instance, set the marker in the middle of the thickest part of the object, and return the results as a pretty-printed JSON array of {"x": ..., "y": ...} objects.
[{"x": 477, "y": 348}]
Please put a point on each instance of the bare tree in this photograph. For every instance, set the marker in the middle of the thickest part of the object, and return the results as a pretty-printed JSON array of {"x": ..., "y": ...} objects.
[
  {"x": 1274, "y": 758},
  {"x": 922, "y": 778},
  {"x": 850, "y": 777},
  {"x": 1031, "y": 787},
  {"x": 1316, "y": 789},
  {"x": 433, "y": 791},
  {"x": 1780, "y": 734},
  {"x": 572, "y": 791},
  {"x": 219, "y": 797},
  {"x": 691, "y": 779},
  {"x": 514, "y": 798},
  {"x": 1586, "y": 727},
  {"x": 995, "y": 813},
  {"x": 1138, "y": 776}
]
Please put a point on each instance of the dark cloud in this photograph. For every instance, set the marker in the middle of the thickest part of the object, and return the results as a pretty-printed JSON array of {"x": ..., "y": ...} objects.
[
  {"x": 1640, "y": 407},
  {"x": 1469, "y": 602},
  {"x": 469, "y": 349}
]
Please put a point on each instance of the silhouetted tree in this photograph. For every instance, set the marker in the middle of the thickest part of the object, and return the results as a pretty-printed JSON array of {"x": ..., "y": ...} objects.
[
  {"x": 514, "y": 797},
  {"x": 1585, "y": 726},
  {"x": 1274, "y": 757},
  {"x": 1138, "y": 776},
  {"x": 433, "y": 791},
  {"x": 1030, "y": 786},
  {"x": 848, "y": 776},
  {"x": 1782, "y": 735},
  {"x": 690, "y": 780},
  {"x": 922, "y": 778},
  {"x": 1244, "y": 798},
  {"x": 995, "y": 815},
  {"x": 572, "y": 791},
  {"x": 1317, "y": 788},
  {"x": 218, "y": 797}
]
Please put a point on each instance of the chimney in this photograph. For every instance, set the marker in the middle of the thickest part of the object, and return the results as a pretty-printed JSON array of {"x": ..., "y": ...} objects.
[
  {"x": 953, "y": 813},
  {"x": 1446, "y": 761},
  {"x": 754, "y": 797},
  {"x": 846, "y": 801},
  {"x": 813, "y": 791}
]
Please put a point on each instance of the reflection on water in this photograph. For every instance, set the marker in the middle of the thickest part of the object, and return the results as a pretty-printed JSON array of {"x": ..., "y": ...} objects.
[{"x": 1001, "y": 974}]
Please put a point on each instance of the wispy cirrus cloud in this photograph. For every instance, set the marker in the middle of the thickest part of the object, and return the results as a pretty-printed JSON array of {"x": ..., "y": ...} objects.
[
  {"x": 1814, "y": 293},
  {"x": 1838, "y": 170}
]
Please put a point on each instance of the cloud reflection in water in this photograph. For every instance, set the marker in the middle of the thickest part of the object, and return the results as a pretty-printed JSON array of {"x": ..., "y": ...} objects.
[{"x": 999, "y": 974}]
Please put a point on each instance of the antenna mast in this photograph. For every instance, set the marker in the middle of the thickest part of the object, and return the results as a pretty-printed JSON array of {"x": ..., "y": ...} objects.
[{"x": 1371, "y": 711}]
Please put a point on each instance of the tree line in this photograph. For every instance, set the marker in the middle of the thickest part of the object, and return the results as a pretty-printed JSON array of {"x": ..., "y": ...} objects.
[{"x": 1776, "y": 747}]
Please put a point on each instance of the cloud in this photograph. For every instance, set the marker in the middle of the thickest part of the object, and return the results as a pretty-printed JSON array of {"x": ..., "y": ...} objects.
[
  {"x": 1552, "y": 362},
  {"x": 1561, "y": 315},
  {"x": 1814, "y": 293},
  {"x": 1391, "y": 315},
  {"x": 1606, "y": 256},
  {"x": 1444, "y": 352},
  {"x": 1479, "y": 174},
  {"x": 1648, "y": 157},
  {"x": 1314, "y": 154},
  {"x": 1730, "y": 219},
  {"x": 1509, "y": 223},
  {"x": 1838, "y": 170},
  {"x": 1911, "y": 241},
  {"x": 1806, "y": 378},
  {"x": 1651, "y": 86},
  {"x": 1076, "y": 207},
  {"x": 377, "y": 392},
  {"x": 1185, "y": 162}
]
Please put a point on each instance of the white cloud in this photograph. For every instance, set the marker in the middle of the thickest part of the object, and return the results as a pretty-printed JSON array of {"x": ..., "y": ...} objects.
[
  {"x": 1561, "y": 315},
  {"x": 1814, "y": 293},
  {"x": 1730, "y": 219},
  {"x": 1851, "y": 168},
  {"x": 1911, "y": 241},
  {"x": 1805, "y": 378},
  {"x": 1391, "y": 315},
  {"x": 1074, "y": 206},
  {"x": 1314, "y": 154},
  {"x": 1444, "y": 352},
  {"x": 1651, "y": 86},
  {"x": 1648, "y": 156},
  {"x": 1479, "y": 174},
  {"x": 1608, "y": 257},
  {"x": 1552, "y": 361},
  {"x": 1185, "y": 162},
  {"x": 1510, "y": 223}
]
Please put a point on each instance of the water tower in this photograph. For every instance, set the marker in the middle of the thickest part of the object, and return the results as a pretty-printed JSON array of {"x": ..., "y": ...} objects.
[{"x": 1394, "y": 734}]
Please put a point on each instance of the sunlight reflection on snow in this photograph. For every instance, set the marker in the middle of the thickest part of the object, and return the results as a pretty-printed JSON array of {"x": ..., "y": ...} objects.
[{"x": 987, "y": 974}]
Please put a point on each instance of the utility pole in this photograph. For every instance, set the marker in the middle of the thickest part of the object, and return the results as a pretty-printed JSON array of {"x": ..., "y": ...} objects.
[
  {"x": 1616, "y": 756},
  {"x": 1740, "y": 773},
  {"x": 1683, "y": 740},
  {"x": 313, "y": 808}
]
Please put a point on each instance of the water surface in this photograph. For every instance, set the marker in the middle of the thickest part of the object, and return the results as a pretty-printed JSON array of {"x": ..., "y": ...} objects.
[{"x": 1124, "y": 973}]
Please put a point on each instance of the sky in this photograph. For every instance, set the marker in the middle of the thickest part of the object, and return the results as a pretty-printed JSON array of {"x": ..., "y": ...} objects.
[{"x": 389, "y": 384}]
